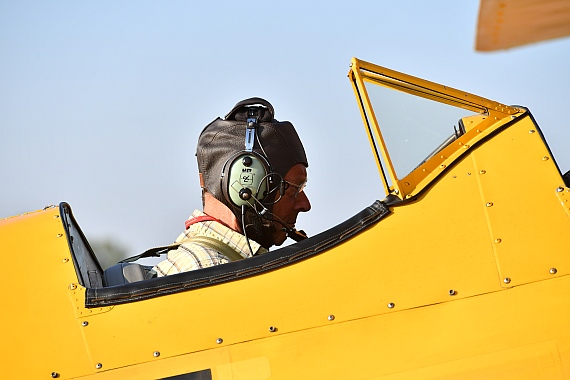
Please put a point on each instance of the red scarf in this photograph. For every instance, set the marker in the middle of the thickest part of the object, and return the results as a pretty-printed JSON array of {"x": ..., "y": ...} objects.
[{"x": 204, "y": 218}]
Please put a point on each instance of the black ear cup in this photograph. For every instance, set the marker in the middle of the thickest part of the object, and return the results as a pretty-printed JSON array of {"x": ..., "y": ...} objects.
[{"x": 244, "y": 178}]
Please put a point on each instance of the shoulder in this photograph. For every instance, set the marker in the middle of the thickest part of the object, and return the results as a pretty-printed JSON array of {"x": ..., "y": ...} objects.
[{"x": 190, "y": 256}]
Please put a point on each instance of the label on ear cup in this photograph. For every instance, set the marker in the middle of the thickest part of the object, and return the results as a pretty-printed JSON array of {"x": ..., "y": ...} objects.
[{"x": 246, "y": 171}]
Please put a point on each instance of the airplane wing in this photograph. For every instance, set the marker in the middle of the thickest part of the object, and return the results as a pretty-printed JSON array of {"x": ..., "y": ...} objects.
[{"x": 504, "y": 24}]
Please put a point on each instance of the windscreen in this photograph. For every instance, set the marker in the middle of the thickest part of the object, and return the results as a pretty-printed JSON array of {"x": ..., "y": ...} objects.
[{"x": 412, "y": 127}]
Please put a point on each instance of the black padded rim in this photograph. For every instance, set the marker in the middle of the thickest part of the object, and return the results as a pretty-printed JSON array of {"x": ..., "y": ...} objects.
[{"x": 114, "y": 295}]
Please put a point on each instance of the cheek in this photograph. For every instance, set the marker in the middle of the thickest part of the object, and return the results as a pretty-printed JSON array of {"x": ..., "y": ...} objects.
[{"x": 283, "y": 207}]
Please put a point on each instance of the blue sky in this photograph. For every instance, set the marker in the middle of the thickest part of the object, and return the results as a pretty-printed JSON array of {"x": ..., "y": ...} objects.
[{"x": 101, "y": 103}]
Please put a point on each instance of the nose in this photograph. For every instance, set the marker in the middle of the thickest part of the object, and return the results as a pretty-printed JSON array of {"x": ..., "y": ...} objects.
[{"x": 302, "y": 203}]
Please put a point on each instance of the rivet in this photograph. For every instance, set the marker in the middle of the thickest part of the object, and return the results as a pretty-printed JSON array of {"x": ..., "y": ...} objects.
[
  {"x": 452, "y": 292},
  {"x": 498, "y": 240},
  {"x": 391, "y": 305},
  {"x": 482, "y": 171},
  {"x": 219, "y": 340},
  {"x": 272, "y": 328},
  {"x": 65, "y": 260},
  {"x": 330, "y": 317},
  {"x": 553, "y": 271},
  {"x": 545, "y": 158},
  {"x": 99, "y": 366},
  {"x": 442, "y": 166},
  {"x": 466, "y": 146},
  {"x": 56, "y": 216},
  {"x": 478, "y": 131},
  {"x": 72, "y": 286},
  {"x": 507, "y": 280},
  {"x": 84, "y": 323},
  {"x": 560, "y": 189},
  {"x": 531, "y": 131},
  {"x": 489, "y": 204},
  {"x": 424, "y": 170},
  {"x": 59, "y": 235},
  {"x": 468, "y": 173},
  {"x": 54, "y": 375},
  {"x": 156, "y": 354},
  {"x": 409, "y": 196}
]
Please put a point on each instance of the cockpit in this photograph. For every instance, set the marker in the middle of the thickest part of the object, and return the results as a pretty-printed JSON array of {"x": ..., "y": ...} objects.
[{"x": 417, "y": 130}]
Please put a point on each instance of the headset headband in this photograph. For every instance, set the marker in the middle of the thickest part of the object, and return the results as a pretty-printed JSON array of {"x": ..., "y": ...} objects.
[{"x": 269, "y": 116}]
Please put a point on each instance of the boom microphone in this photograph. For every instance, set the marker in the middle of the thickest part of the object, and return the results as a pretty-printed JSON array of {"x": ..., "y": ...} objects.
[
  {"x": 291, "y": 232},
  {"x": 297, "y": 235}
]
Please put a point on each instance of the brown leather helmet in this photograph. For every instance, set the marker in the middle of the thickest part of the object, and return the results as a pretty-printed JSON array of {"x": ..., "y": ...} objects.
[{"x": 222, "y": 139}]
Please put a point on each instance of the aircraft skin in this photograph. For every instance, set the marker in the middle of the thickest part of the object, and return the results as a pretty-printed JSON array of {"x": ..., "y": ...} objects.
[{"x": 461, "y": 272}]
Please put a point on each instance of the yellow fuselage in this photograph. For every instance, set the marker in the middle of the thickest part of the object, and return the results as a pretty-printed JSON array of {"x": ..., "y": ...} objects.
[{"x": 466, "y": 278}]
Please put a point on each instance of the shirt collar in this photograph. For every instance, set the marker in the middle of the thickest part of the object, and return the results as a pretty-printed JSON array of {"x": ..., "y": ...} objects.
[{"x": 226, "y": 235}]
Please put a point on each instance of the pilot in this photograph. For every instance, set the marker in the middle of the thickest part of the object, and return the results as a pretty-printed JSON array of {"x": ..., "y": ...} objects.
[{"x": 253, "y": 170}]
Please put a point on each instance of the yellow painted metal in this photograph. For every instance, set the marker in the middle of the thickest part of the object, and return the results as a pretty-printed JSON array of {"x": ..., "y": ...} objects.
[
  {"x": 564, "y": 197},
  {"x": 40, "y": 333},
  {"x": 420, "y": 295},
  {"x": 523, "y": 177},
  {"x": 429, "y": 90},
  {"x": 373, "y": 131},
  {"x": 473, "y": 337}
]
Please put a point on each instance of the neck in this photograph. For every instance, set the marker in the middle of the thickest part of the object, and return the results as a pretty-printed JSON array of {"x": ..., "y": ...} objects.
[{"x": 218, "y": 210}]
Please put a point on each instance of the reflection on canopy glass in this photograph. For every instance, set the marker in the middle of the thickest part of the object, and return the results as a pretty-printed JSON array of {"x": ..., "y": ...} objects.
[{"x": 412, "y": 126}]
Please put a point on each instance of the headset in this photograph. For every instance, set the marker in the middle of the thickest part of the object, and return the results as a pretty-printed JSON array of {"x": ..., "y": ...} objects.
[{"x": 247, "y": 178}]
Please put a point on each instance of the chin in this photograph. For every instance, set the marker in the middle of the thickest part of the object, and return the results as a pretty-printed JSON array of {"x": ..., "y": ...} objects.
[{"x": 278, "y": 240}]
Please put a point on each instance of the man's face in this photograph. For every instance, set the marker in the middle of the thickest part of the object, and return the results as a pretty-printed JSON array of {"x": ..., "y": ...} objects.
[{"x": 291, "y": 203}]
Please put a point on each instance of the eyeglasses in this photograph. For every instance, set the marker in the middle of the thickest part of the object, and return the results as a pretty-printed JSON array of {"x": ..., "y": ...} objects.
[{"x": 299, "y": 188}]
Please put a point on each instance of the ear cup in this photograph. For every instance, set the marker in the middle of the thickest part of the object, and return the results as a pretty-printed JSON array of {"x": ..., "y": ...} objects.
[{"x": 245, "y": 177}]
